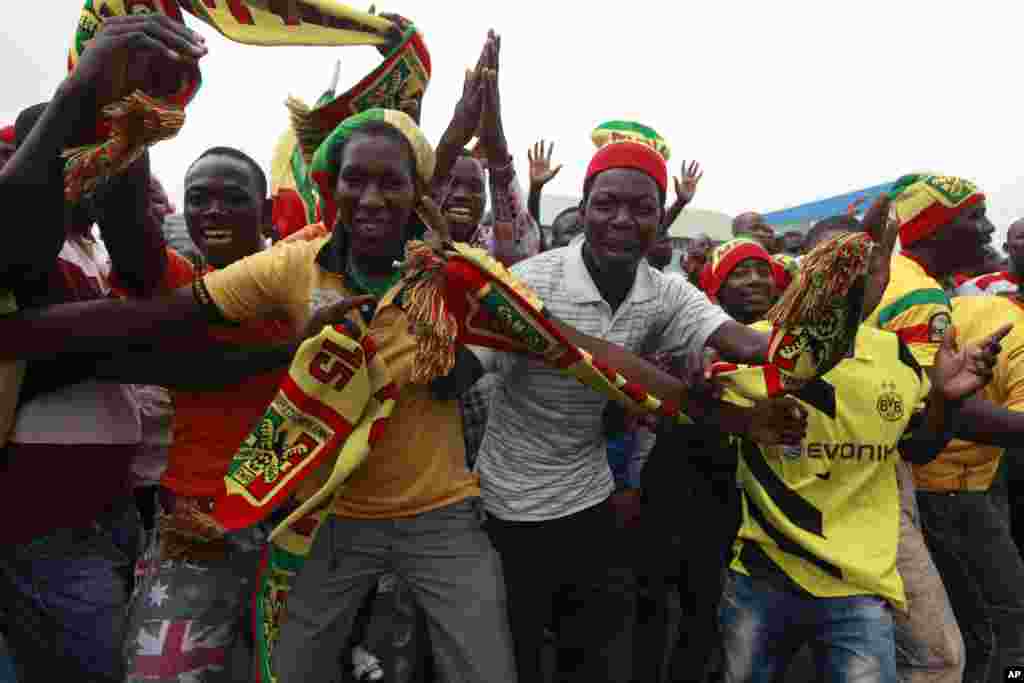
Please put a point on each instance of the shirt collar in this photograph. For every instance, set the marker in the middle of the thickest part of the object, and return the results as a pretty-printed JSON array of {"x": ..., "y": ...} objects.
[
  {"x": 580, "y": 285},
  {"x": 332, "y": 254}
]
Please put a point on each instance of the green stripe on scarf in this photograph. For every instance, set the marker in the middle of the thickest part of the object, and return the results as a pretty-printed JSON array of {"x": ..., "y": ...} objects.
[{"x": 907, "y": 301}]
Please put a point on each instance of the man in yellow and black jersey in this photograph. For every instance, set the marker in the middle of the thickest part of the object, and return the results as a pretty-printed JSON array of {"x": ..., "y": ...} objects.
[{"x": 815, "y": 558}]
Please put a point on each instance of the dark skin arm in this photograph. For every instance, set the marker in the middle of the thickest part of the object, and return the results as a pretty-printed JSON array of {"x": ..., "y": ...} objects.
[
  {"x": 740, "y": 344},
  {"x": 132, "y": 231},
  {"x": 117, "y": 63},
  {"x": 686, "y": 188},
  {"x": 541, "y": 173},
  {"x": 985, "y": 422},
  {"x": 215, "y": 368},
  {"x": 758, "y": 423},
  {"x": 98, "y": 326},
  {"x": 466, "y": 119},
  {"x": 956, "y": 376},
  {"x": 928, "y": 442},
  {"x": 33, "y": 177}
]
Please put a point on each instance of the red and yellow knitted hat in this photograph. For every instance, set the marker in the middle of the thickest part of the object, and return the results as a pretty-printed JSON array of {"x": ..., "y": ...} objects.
[
  {"x": 923, "y": 203},
  {"x": 724, "y": 260}
]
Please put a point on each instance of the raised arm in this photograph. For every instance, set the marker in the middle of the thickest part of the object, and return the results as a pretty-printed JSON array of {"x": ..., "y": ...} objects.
[
  {"x": 516, "y": 233},
  {"x": 132, "y": 230},
  {"x": 541, "y": 173},
  {"x": 465, "y": 120},
  {"x": 686, "y": 188},
  {"x": 119, "y": 61}
]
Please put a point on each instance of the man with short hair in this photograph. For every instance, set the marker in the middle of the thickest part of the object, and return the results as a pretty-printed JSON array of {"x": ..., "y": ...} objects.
[
  {"x": 565, "y": 227},
  {"x": 1005, "y": 281},
  {"x": 943, "y": 228},
  {"x": 793, "y": 243},
  {"x": 752, "y": 224},
  {"x": 969, "y": 537},
  {"x": 202, "y": 589},
  {"x": 545, "y": 475}
]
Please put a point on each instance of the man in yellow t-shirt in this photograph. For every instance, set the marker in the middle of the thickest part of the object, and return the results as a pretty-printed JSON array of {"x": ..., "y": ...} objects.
[
  {"x": 942, "y": 227},
  {"x": 968, "y": 537}
]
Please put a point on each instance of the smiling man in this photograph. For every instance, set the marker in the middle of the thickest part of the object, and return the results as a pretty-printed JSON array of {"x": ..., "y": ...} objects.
[
  {"x": 460, "y": 180},
  {"x": 741, "y": 278},
  {"x": 545, "y": 476}
]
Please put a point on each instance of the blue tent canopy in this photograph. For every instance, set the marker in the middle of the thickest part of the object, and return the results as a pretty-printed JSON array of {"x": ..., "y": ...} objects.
[{"x": 803, "y": 216}]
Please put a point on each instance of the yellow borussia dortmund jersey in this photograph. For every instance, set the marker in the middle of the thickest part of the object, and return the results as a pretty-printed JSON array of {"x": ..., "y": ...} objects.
[
  {"x": 966, "y": 466},
  {"x": 914, "y": 307},
  {"x": 823, "y": 519}
]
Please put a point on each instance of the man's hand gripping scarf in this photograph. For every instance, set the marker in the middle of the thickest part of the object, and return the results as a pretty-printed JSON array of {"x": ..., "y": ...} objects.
[{"x": 138, "y": 121}]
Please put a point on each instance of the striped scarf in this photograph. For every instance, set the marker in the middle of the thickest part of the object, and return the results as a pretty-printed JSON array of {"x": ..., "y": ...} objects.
[{"x": 127, "y": 128}]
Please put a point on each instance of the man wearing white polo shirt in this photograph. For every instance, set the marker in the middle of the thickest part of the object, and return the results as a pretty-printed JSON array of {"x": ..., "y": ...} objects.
[{"x": 545, "y": 477}]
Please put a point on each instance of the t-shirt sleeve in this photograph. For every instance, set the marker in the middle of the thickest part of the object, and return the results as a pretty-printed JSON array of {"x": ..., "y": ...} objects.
[
  {"x": 274, "y": 281},
  {"x": 692, "y": 317},
  {"x": 920, "y": 319},
  {"x": 1011, "y": 373}
]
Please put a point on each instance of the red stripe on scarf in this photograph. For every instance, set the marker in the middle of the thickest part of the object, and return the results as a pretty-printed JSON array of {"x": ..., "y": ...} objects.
[
  {"x": 772, "y": 380},
  {"x": 316, "y": 408}
]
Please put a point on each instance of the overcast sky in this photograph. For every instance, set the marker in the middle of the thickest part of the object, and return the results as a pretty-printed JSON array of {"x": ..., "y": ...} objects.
[{"x": 782, "y": 102}]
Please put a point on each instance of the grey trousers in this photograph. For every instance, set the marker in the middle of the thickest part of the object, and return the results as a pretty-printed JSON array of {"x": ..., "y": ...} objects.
[
  {"x": 443, "y": 557},
  {"x": 929, "y": 645}
]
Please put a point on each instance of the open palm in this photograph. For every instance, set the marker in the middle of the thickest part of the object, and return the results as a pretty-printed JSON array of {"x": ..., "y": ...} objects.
[
  {"x": 960, "y": 373},
  {"x": 541, "y": 169}
]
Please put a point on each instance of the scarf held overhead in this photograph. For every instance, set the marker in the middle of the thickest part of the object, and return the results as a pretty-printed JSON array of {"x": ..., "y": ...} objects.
[{"x": 128, "y": 127}]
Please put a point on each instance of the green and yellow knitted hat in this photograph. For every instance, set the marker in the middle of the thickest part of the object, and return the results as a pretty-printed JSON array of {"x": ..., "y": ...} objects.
[{"x": 621, "y": 131}]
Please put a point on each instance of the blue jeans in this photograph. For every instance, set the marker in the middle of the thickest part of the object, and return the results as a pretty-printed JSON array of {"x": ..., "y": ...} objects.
[
  {"x": 7, "y": 672},
  {"x": 63, "y": 599},
  {"x": 763, "y": 627}
]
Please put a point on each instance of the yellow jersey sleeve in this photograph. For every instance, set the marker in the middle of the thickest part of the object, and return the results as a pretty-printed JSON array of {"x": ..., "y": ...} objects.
[
  {"x": 274, "y": 281},
  {"x": 920, "y": 318}
]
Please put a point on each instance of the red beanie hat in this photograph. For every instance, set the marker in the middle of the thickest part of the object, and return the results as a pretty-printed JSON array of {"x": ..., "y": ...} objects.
[
  {"x": 724, "y": 260},
  {"x": 628, "y": 154}
]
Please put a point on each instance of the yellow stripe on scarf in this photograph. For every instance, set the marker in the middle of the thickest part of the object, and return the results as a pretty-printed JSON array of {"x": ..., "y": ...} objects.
[{"x": 252, "y": 22}]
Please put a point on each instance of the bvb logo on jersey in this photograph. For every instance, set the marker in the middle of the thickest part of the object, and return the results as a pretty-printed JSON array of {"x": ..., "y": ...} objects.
[{"x": 890, "y": 404}]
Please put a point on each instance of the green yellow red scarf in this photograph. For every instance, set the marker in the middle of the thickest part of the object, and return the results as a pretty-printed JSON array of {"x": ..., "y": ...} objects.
[{"x": 128, "y": 127}]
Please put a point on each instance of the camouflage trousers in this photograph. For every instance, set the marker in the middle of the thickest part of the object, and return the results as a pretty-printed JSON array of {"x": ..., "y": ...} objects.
[{"x": 190, "y": 616}]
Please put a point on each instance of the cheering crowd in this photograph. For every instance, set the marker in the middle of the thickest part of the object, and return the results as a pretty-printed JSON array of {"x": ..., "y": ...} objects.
[{"x": 285, "y": 455}]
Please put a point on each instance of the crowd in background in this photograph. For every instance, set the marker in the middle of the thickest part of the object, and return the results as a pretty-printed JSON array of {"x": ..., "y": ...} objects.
[{"x": 505, "y": 522}]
